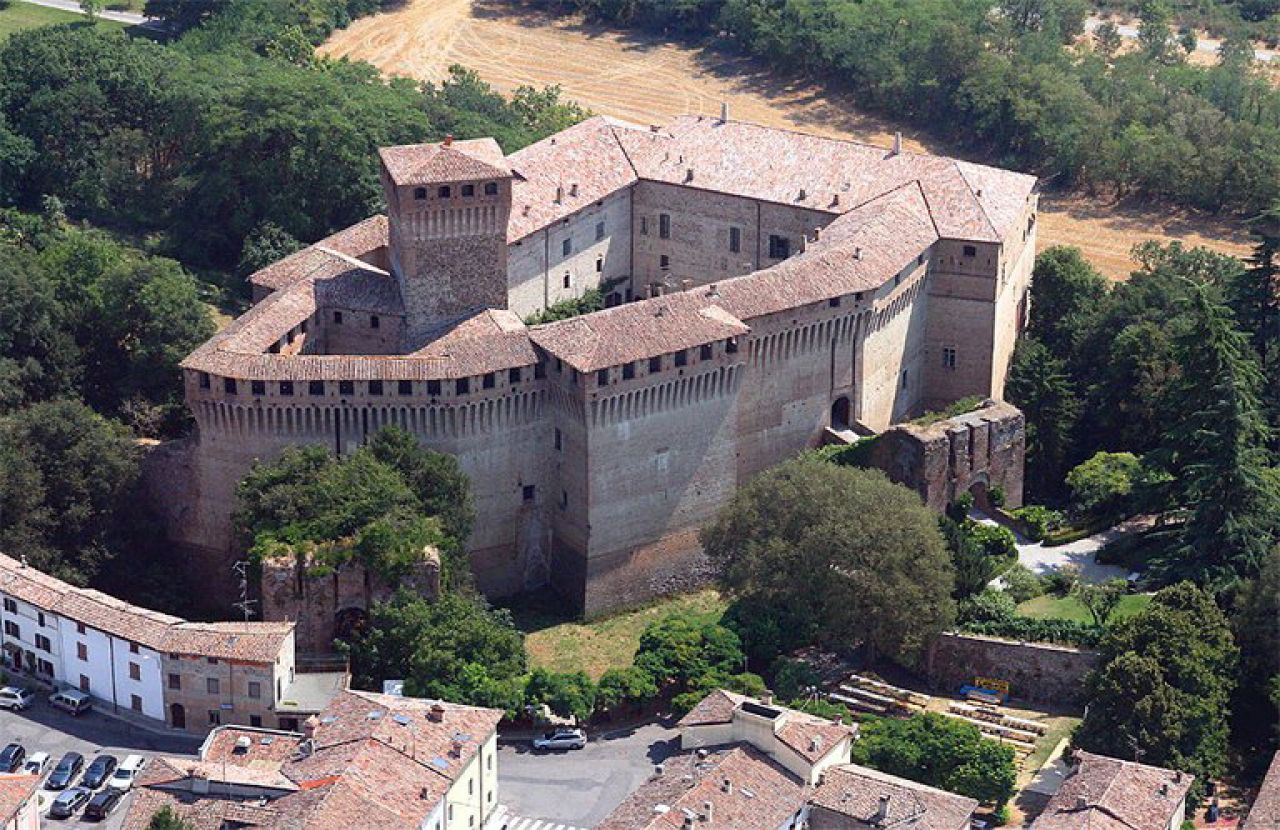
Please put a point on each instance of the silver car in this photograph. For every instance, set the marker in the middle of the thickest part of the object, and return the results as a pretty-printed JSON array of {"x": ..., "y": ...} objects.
[
  {"x": 15, "y": 699},
  {"x": 563, "y": 738}
]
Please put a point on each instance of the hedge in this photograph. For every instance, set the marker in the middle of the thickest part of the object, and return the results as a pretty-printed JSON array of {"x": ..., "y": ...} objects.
[{"x": 1062, "y": 632}]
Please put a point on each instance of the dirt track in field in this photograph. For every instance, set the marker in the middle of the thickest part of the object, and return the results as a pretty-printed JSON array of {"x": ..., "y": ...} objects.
[{"x": 646, "y": 79}]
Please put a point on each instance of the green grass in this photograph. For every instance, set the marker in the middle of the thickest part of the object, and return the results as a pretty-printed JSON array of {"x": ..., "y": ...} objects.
[
  {"x": 1049, "y": 607},
  {"x": 609, "y": 643},
  {"x": 16, "y": 16}
]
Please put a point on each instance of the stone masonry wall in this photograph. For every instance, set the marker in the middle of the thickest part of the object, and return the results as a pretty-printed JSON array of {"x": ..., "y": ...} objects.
[{"x": 1037, "y": 672}]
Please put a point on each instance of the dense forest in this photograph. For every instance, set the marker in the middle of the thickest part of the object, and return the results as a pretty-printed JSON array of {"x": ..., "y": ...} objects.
[{"x": 1008, "y": 81}]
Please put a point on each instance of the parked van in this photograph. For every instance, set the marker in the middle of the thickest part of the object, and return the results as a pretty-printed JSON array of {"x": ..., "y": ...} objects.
[
  {"x": 69, "y": 700},
  {"x": 122, "y": 778}
]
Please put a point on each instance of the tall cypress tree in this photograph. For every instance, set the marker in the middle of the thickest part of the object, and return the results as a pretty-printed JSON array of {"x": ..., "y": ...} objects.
[
  {"x": 1255, "y": 293},
  {"x": 1219, "y": 449}
]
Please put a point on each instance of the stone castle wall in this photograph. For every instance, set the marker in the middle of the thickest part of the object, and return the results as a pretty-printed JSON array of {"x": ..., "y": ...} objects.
[{"x": 1037, "y": 672}]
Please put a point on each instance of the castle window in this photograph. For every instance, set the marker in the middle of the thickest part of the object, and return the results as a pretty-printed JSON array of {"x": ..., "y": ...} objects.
[
  {"x": 513, "y": 375},
  {"x": 568, "y": 280},
  {"x": 488, "y": 381},
  {"x": 468, "y": 190},
  {"x": 346, "y": 387},
  {"x": 949, "y": 357},
  {"x": 599, "y": 264},
  {"x": 375, "y": 387},
  {"x": 286, "y": 388},
  {"x": 463, "y": 386},
  {"x": 602, "y": 377},
  {"x": 337, "y": 318},
  {"x": 204, "y": 380},
  {"x": 566, "y": 247},
  {"x": 375, "y": 322},
  {"x": 904, "y": 378},
  {"x": 445, "y": 191},
  {"x": 404, "y": 387},
  {"x": 255, "y": 689},
  {"x": 664, "y": 262},
  {"x": 599, "y": 231},
  {"x": 573, "y": 376},
  {"x": 315, "y": 387},
  {"x": 682, "y": 358},
  {"x": 526, "y": 492},
  {"x": 491, "y": 189},
  {"x": 628, "y": 371},
  {"x": 834, "y": 302},
  {"x": 258, "y": 387},
  {"x": 644, "y": 225},
  {"x": 655, "y": 364},
  {"x": 302, "y": 327},
  {"x": 704, "y": 353},
  {"x": 857, "y": 298},
  {"x": 539, "y": 370},
  {"x": 664, "y": 226},
  {"x": 779, "y": 247},
  {"x": 735, "y": 240},
  {"x": 731, "y": 345},
  {"x": 419, "y": 193},
  {"x": 920, "y": 260},
  {"x": 559, "y": 439},
  {"x": 564, "y": 499},
  {"x": 433, "y": 388},
  {"x": 229, "y": 385},
  {"x": 558, "y": 366},
  {"x": 970, "y": 250}
]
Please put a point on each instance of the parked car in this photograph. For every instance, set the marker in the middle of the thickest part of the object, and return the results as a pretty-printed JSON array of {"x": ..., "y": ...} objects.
[
  {"x": 101, "y": 805},
  {"x": 69, "y": 700},
  {"x": 123, "y": 777},
  {"x": 37, "y": 764},
  {"x": 66, "y": 804},
  {"x": 99, "y": 771},
  {"x": 66, "y": 771},
  {"x": 15, "y": 699},
  {"x": 563, "y": 738},
  {"x": 11, "y": 758}
]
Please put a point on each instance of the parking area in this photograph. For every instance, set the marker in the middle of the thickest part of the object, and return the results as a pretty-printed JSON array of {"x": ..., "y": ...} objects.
[
  {"x": 44, "y": 729},
  {"x": 578, "y": 788}
]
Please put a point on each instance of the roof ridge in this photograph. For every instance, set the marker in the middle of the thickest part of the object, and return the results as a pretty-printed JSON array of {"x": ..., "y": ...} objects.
[{"x": 974, "y": 191}]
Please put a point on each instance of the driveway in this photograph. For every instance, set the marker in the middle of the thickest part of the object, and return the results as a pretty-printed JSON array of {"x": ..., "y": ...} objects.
[
  {"x": 43, "y": 729},
  {"x": 1080, "y": 554},
  {"x": 579, "y": 788}
]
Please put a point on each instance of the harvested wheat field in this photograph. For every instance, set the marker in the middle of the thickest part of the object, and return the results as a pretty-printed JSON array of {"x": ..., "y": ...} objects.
[{"x": 646, "y": 79}]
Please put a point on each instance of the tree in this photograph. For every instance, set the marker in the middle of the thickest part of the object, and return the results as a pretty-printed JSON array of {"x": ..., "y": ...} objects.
[
  {"x": 266, "y": 244},
  {"x": 1041, "y": 387},
  {"x": 1101, "y": 599},
  {"x": 1254, "y": 295},
  {"x": 1067, "y": 293},
  {"x": 1102, "y": 485},
  {"x": 38, "y": 357},
  {"x": 567, "y": 694},
  {"x": 1163, "y": 684},
  {"x": 1154, "y": 19},
  {"x": 632, "y": 686},
  {"x": 434, "y": 477},
  {"x": 1256, "y": 626},
  {"x": 940, "y": 752},
  {"x": 166, "y": 818},
  {"x": 979, "y": 553},
  {"x": 92, "y": 8},
  {"x": 1107, "y": 39},
  {"x": 857, "y": 558},
  {"x": 681, "y": 652}
]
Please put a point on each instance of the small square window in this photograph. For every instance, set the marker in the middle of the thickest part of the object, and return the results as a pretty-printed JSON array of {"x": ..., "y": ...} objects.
[
  {"x": 229, "y": 385},
  {"x": 444, "y": 191},
  {"x": 10, "y": 606},
  {"x": 705, "y": 352},
  {"x": 779, "y": 247},
  {"x": 463, "y": 386},
  {"x": 948, "y": 357},
  {"x": 599, "y": 231},
  {"x": 539, "y": 370},
  {"x": 212, "y": 685},
  {"x": 79, "y": 628},
  {"x": 215, "y": 717},
  {"x": 628, "y": 371},
  {"x": 404, "y": 387},
  {"x": 433, "y": 388},
  {"x": 315, "y": 387},
  {"x": 133, "y": 648},
  {"x": 82, "y": 651},
  {"x": 85, "y": 685},
  {"x": 337, "y": 318},
  {"x": 40, "y": 618},
  {"x": 175, "y": 681},
  {"x": 135, "y": 703},
  {"x": 258, "y": 387},
  {"x": 286, "y": 388},
  {"x": 213, "y": 661},
  {"x": 682, "y": 358},
  {"x": 602, "y": 377},
  {"x": 599, "y": 265},
  {"x": 664, "y": 262},
  {"x": 255, "y": 689},
  {"x": 655, "y": 364},
  {"x": 491, "y": 189},
  {"x": 468, "y": 190},
  {"x": 834, "y": 302},
  {"x": 731, "y": 345},
  {"x": 970, "y": 250},
  {"x": 255, "y": 721},
  {"x": 204, "y": 380},
  {"x": 375, "y": 322},
  {"x": 419, "y": 193},
  {"x": 488, "y": 381},
  {"x": 526, "y": 492},
  {"x": 644, "y": 226},
  {"x": 346, "y": 387},
  {"x": 135, "y": 671},
  {"x": 375, "y": 387},
  {"x": 513, "y": 375}
]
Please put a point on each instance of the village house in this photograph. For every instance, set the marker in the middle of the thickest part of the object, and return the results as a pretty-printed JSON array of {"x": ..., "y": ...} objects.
[
  {"x": 1264, "y": 814},
  {"x": 19, "y": 808},
  {"x": 851, "y": 797},
  {"x": 1100, "y": 793}
]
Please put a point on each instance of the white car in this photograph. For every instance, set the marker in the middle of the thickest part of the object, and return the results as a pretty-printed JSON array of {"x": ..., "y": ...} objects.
[
  {"x": 563, "y": 738},
  {"x": 37, "y": 764},
  {"x": 122, "y": 778},
  {"x": 15, "y": 699}
]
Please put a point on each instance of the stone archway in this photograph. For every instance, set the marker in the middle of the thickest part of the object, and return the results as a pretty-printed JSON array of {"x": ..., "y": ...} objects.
[{"x": 840, "y": 411}]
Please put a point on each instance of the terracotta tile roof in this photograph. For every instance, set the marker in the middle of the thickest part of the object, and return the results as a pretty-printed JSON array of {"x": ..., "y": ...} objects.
[
  {"x": 361, "y": 240},
  {"x": 717, "y": 707},
  {"x": 1265, "y": 812},
  {"x": 1109, "y": 794},
  {"x": 809, "y": 736},
  {"x": 582, "y": 164},
  {"x": 635, "y": 331},
  {"x": 258, "y": 642},
  {"x": 15, "y": 791},
  {"x": 488, "y": 341},
  {"x": 761, "y": 794},
  {"x": 410, "y": 164},
  {"x": 856, "y": 792},
  {"x": 220, "y": 745},
  {"x": 198, "y": 813}
]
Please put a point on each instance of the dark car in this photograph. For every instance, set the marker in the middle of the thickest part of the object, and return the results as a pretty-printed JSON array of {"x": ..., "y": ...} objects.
[
  {"x": 101, "y": 805},
  {"x": 65, "y": 772},
  {"x": 66, "y": 804},
  {"x": 11, "y": 757},
  {"x": 99, "y": 771}
]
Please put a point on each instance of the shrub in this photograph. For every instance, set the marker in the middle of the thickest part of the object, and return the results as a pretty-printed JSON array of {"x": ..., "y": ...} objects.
[
  {"x": 1021, "y": 584},
  {"x": 959, "y": 509},
  {"x": 822, "y": 708},
  {"x": 631, "y": 686},
  {"x": 988, "y": 606},
  {"x": 1102, "y": 484},
  {"x": 996, "y": 496},
  {"x": 1063, "y": 632},
  {"x": 567, "y": 694},
  {"x": 1060, "y": 581},
  {"x": 792, "y": 677},
  {"x": 1039, "y": 520}
]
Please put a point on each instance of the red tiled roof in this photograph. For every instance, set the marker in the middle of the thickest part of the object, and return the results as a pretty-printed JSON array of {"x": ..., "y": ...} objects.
[
  {"x": 1109, "y": 794},
  {"x": 410, "y": 164},
  {"x": 360, "y": 240},
  {"x": 856, "y": 792},
  {"x": 15, "y": 791},
  {"x": 1265, "y": 812}
]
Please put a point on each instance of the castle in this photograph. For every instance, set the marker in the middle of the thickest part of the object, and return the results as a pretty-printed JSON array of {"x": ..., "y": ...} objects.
[{"x": 766, "y": 291}]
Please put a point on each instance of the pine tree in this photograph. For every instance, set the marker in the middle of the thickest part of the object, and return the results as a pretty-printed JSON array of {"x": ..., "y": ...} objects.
[
  {"x": 1255, "y": 293},
  {"x": 1040, "y": 386}
]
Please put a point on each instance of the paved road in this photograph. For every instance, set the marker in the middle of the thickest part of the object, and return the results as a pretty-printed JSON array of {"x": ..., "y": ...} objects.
[
  {"x": 581, "y": 787},
  {"x": 42, "y": 729},
  {"x": 1205, "y": 44},
  {"x": 73, "y": 6}
]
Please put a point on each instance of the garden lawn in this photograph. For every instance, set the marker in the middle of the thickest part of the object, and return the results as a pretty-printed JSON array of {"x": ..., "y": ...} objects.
[
  {"x": 17, "y": 15},
  {"x": 1050, "y": 607},
  {"x": 611, "y": 642}
]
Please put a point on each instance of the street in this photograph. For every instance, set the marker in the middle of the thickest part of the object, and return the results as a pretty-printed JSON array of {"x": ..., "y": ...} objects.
[
  {"x": 43, "y": 729},
  {"x": 579, "y": 788}
]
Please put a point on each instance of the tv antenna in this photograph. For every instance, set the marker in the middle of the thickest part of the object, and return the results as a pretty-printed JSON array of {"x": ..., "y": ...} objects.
[{"x": 241, "y": 570}]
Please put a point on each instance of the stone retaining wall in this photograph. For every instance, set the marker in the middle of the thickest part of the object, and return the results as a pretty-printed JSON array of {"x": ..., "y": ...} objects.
[{"x": 1037, "y": 672}]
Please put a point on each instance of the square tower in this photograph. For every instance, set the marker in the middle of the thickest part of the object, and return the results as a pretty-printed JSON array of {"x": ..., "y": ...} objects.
[{"x": 447, "y": 206}]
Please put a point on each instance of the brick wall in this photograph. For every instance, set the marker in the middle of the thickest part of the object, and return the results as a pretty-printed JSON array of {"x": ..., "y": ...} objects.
[{"x": 1038, "y": 672}]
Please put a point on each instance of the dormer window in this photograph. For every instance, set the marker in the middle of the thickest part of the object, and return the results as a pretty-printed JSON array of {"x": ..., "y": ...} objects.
[
  {"x": 420, "y": 193},
  {"x": 491, "y": 189},
  {"x": 468, "y": 190},
  {"x": 445, "y": 191}
]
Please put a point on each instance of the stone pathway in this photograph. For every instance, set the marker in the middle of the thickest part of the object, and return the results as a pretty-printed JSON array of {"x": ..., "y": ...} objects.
[{"x": 1041, "y": 560}]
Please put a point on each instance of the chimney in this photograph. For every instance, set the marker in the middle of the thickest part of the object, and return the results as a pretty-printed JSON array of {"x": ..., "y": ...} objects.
[
  {"x": 685, "y": 285},
  {"x": 573, "y": 189},
  {"x": 702, "y": 754},
  {"x": 724, "y": 111},
  {"x": 436, "y": 713},
  {"x": 767, "y": 698},
  {"x": 708, "y": 811},
  {"x": 726, "y": 786},
  {"x": 448, "y": 139},
  {"x": 802, "y": 194},
  {"x": 897, "y": 144},
  {"x": 688, "y": 174},
  {"x": 882, "y": 811},
  {"x": 658, "y": 770},
  {"x": 835, "y": 199},
  {"x": 559, "y": 194},
  {"x": 979, "y": 193},
  {"x": 815, "y": 744},
  {"x": 688, "y": 823},
  {"x": 1164, "y": 788},
  {"x": 817, "y": 234},
  {"x": 1081, "y": 803},
  {"x": 857, "y": 253},
  {"x": 653, "y": 128},
  {"x": 309, "y": 727}
]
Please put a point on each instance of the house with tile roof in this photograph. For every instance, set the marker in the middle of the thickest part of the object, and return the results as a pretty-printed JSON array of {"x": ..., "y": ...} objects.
[
  {"x": 19, "y": 807},
  {"x": 851, "y": 797},
  {"x": 367, "y": 760},
  {"x": 1102, "y": 793},
  {"x": 160, "y": 668},
  {"x": 1264, "y": 813},
  {"x": 766, "y": 291}
]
